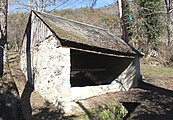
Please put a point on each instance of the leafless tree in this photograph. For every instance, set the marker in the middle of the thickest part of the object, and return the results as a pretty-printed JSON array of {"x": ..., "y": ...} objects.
[{"x": 39, "y": 5}]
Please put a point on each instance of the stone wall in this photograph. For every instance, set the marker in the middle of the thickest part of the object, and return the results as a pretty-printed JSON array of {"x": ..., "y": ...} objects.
[
  {"x": 51, "y": 67},
  {"x": 45, "y": 63}
]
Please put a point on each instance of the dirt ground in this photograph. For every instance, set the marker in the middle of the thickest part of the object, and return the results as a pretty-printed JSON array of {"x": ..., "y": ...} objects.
[{"x": 152, "y": 100}]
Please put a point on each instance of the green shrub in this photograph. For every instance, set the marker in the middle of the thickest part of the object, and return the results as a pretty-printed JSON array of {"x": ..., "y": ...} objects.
[{"x": 111, "y": 111}]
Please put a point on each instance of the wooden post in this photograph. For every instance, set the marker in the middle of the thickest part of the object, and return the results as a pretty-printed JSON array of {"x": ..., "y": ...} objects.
[
  {"x": 121, "y": 5},
  {"x": 3, "y": 32}
]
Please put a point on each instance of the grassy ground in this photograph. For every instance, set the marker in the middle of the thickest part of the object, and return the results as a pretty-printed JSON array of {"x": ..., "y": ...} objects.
[
  {"x": 160, "y": 72},
  {"x": 161, "y": 76}
]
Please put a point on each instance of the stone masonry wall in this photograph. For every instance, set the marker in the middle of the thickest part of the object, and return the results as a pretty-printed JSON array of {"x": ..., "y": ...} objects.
[
  {"x": 51, "y": 66},
  {"x": 48, "y": 61}
]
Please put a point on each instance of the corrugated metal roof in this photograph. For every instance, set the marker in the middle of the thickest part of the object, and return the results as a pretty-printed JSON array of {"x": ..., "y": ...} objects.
[{"x": 82, "y": 33}]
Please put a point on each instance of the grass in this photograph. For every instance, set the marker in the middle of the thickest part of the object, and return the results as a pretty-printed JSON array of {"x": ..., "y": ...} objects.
[
  {"x": 111, "y": 111},
  {"x": 156, "y": 71}
]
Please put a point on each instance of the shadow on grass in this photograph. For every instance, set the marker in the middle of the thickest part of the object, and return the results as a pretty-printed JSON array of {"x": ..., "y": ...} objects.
[{"x": 157, "y": 104}]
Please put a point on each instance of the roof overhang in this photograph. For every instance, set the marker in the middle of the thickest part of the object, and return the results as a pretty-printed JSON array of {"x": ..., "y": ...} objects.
[{"x": 97, "y": 50}]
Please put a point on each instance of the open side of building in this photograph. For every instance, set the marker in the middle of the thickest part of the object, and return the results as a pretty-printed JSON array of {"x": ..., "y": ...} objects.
[{"x": 66, "y": 60}]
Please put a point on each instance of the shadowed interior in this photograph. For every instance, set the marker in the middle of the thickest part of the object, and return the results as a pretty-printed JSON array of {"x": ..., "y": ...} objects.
[{"x": 91, "y": 69}]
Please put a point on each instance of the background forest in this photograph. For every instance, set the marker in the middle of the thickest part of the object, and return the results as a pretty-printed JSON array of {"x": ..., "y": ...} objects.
[{"x": 149, "y": 24}]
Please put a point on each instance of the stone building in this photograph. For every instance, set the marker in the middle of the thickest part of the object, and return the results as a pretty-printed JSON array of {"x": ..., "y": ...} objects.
[{"x": 66, "y": 60}]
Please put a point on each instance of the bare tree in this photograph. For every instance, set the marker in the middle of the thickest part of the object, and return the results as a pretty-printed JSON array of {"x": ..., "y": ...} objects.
[
  {"x": 39, "y": 5},
  {"x": 3, "y": 31}
]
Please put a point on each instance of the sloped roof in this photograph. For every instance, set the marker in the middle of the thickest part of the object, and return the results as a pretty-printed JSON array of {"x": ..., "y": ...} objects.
[{"x": 84, "y": 34}]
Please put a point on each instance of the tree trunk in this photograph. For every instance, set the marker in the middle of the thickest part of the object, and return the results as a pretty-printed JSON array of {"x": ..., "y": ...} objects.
[
  {"x": 123, "y": 22},
  {"x": 3, "y": 32},
  {"x": 168, "y": 20}
]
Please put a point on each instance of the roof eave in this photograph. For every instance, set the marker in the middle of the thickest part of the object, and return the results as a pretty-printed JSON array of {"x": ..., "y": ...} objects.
[{"x": 96, "y": 49}]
